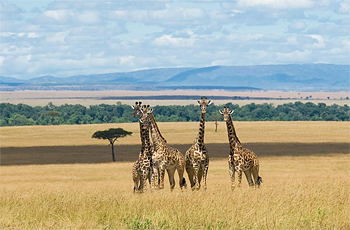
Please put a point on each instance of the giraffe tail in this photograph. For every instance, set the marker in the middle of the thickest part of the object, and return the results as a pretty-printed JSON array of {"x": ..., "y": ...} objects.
[
  {"x": 259, "y": 181},
  {"x": 184, "y": 184}
]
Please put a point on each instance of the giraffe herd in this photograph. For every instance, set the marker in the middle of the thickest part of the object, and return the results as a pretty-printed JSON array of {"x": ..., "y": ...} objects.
[{"x": 156, "y": 156}]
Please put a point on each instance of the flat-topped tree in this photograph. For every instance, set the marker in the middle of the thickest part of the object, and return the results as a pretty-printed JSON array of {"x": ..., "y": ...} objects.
[{"x": 111, "y": 135}]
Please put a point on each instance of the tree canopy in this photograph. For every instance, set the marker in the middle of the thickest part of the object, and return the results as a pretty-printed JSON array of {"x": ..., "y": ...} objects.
[
  {"x": 21, "y": 114},
  {"x": 111, "y": 135}
]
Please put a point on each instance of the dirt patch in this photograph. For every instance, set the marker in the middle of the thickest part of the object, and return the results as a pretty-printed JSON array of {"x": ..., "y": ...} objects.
[{"x": 102, "y": 154}]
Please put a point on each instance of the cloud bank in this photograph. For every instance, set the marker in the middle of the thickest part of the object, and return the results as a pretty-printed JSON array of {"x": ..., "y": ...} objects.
[{"x": 64, "y": 38}]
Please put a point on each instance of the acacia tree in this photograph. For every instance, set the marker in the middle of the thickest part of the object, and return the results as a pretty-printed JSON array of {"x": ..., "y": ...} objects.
[
  {"x": 111, "y": 135},
  {"x": 215, "y": 117}
]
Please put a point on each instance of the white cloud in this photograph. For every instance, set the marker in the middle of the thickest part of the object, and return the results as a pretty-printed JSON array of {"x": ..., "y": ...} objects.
[
  {"x": 59, "y": 15},
  {"x": 83, "y": 37},
  {"x": 319, "y": 44},
  {"x": 57, "y": 37},
  {"x": 296, "y": 56},
  {"x": 14, "y": 50},
  {"x": 88, "y": 17},
  {"x": 169, "y": 16},
  {"x": 2, "y": 59},
  {"x": 298, "y": 26},
  {"x": 279, "y": 4},
  {"x": 126, "y": 59},
  {"x": 10, "y": 12},
  {"x": 169, "y": 40},
  {"x": 33, "y": 35},
  {"x": 344, "y": 7}
]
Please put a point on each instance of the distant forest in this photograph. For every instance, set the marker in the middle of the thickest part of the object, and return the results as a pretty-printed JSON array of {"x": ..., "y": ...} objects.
[{"x": 21, "y": 114}]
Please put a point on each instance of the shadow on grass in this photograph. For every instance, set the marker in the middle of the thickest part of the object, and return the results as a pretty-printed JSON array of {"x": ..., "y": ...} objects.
[{"x": 127, "y": 153}]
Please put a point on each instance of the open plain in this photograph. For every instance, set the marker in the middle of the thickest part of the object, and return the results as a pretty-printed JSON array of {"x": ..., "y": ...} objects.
[
  {"x": 87, "y": 98},
  {"x": 58, "y": 177}
]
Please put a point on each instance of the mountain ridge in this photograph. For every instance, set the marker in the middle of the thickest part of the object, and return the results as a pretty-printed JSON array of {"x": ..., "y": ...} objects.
[{"x": 288, "y": 77}]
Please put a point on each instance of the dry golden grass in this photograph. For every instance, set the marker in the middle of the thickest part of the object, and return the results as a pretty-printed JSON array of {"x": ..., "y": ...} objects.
[
  {"x": 179, "y": 133},
  {"x": 297, "y": 193}
]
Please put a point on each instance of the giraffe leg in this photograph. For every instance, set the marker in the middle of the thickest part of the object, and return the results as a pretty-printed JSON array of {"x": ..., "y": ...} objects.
[
  {"x": 155, "y": 178},
  {"x": 180, "y": 171},
  {"x": 171, "y": 173},
  {"x": 239, "y": 172},
  {"x": 231, "y": 170},
  {"x": 161, "y": 177},
  {"x": 145, "y": 173},
  {"x": 136, "y": 184},
  {"x": 135, "y": 177},
  {"x": 200, "y": 174},
  {"x": 205, "y": 173},
  {"x": 149, "y": 177},
  {"x": 142, "y": 182},
  {"x": 189, "y": 170},
  {"x": 196, "y": 181},
  {"x": 248, "y": 175},
  {"x": 257, "y": 179}
]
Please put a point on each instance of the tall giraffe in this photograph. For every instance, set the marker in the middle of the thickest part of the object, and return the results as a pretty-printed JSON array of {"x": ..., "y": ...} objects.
[
  {"x": 165, "y": 158},
  {"x": 240, "y": 159},
  {"x": 144, "y": 162},
  {"x": 197, "y": 158},
  {"x": 141, "y": 165}
]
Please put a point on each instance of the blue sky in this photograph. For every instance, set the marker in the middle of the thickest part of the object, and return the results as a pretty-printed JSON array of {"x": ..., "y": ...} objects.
[{"x": 65, "y": 38}]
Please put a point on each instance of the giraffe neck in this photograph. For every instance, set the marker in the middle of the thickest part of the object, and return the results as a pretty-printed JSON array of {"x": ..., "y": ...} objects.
[
  {"x": 146, "y": 141},
  {"x": 235, "y": 144},
  {"x": 200, "y": 137},
  {"x": 142, "y": 138},
  {"x": 157, "y": 138}
]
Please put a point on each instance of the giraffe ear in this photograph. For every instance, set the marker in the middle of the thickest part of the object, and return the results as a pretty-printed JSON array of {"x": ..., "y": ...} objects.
[
  {"x": 198, "y": 102},
  {"x": 220, "y": 111},
  {"x": 133, "y": 107},
  {"x": 231, "y": 111},
  {"x": 150, "y": 110},
  {"x": 209, "y": 102}
]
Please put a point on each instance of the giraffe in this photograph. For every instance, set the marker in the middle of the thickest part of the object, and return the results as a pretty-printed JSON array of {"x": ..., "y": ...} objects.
[
  {"x": 144, "y": 163},
  {"x": 197, "y": 158},
  {"x": 141, "y": 164},
  {"x": 165, "y": 158},
  {"x": 240, "y": 159}
]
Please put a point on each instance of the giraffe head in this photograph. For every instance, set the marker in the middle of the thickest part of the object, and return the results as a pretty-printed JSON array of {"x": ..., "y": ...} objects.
[
  {"x": 145, "y": 116},
  {"x": 203, "y": 103},
  {"x": 136, "y": 109},
  {"x": 226, "y": 113}
]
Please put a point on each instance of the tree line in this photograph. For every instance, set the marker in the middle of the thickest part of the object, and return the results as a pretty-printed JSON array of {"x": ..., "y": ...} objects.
[{"x": 21, "y": 114}]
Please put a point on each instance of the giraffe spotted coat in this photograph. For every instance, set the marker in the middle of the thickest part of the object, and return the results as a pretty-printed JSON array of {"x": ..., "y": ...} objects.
[
  {"x": 240, "y": 159},
  {"x": 197, "y": 157}
]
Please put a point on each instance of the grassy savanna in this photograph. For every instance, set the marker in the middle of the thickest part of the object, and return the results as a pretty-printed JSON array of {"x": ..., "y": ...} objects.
[
  {"x": 303, "y": 188},
  {"x": 179, "y": 133},
  {"x": 297, "y": 193}
]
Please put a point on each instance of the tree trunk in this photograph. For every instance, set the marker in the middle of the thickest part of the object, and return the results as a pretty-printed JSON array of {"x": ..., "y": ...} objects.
[
  {"x": 111, "y": 141},
  {"x": 216, "y": 126},
  {"x": 113, "y": 151}
]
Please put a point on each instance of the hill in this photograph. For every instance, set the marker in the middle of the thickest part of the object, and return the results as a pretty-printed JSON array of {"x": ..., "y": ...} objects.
[{"x": 306, "y": 77}]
